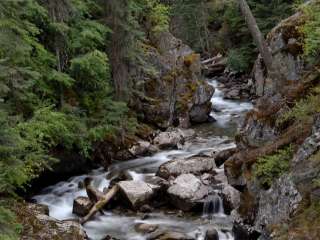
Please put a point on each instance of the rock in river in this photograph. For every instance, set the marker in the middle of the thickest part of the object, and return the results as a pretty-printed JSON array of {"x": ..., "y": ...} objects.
[
  {"x": 211, "y": 234},
  {"x": 194, "y": 165},
  {"x": 167, "y": 235},
  {"x": 137, "y": 193},
  {"x": 81, "y": 206},
  {"x": 169, "y": 139},
  {"x": 187, "y": 192},
  {"x": 37, "y": 225}
]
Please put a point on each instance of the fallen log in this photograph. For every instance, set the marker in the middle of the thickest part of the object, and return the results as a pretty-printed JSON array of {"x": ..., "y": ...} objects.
[
  {"x": 100, "y": 204},
  {"x": 94, "y": 194},
  {"x": 213, "y": 59}
]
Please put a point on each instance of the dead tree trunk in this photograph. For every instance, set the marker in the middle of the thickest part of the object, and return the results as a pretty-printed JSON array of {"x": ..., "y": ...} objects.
[
  {"x": 257, "y": 36},
  {"x": 100, "y": 204}
]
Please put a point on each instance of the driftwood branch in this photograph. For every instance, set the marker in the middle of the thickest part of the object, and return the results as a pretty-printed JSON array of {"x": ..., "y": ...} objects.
[{"x": 100, "y": 204}]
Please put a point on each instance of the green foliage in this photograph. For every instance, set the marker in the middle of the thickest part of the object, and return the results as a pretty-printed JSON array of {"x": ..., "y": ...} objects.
[
  {"x": 239, "y": 59},
  {"x": 269, "y": 168},
  {"x": 192, "y": 20},
  {"x": 303, "y": 109},
  {"x": 9, "y": 229},
  {"x": 311, "y": 31}
]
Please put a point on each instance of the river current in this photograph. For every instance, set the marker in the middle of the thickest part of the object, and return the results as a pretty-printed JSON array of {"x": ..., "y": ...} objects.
[{"x": 210, "y": 137}]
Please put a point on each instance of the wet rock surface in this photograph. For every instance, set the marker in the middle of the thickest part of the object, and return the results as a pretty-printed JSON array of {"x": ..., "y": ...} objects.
[
  {"x": 187, "y": 192},
  {"x": 277, "y": 204},
  {"x": 81, "y": 206},
  {"x": 286, "y": 43},
  {"x": 211, "y": 234},
  {"x": 38, "y": 225},
  {"x": 137, "y": 193},
  {"x": 194, "y": 165},
  {"x": 168, "y": 235},
  {"x": 177, "y": 89},
  {"x": 169, "y": 139}
]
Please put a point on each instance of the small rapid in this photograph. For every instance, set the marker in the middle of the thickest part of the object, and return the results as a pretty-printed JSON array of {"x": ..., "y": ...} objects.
[{"x": 211, "y": 137}]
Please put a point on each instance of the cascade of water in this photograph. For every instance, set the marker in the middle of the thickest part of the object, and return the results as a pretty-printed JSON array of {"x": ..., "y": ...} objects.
[{"x": 213, "y": 206}]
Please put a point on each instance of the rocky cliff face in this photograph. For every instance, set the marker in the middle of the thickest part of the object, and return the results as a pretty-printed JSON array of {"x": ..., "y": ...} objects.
[
  {"x": 285, "y": 42},
  {"x": 276, "y": 210},
  {"x": 169, "y": 87}
]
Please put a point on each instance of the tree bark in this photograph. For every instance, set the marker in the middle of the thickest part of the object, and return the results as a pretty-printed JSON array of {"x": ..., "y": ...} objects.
[
  {"x": 257, "y": 36},
  {"x": 100, "y": 204}
]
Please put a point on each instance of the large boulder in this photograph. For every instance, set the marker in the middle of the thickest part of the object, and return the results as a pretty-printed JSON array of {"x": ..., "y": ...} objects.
[
  {"x": 187, "y": 192},
  {"x": 169, "y": 235},
  {"x": 81, "y": 206},
  {"x": 194, "y": 165},
  {"x": 169, "y": 139},
  {"x": 137, "y": 193},
  {"x": 277, "y": 204},
  {"x": 286, "y": 44},
  {"x": 145, "y": 228},
  {"x": 211, "y": 234},
  {"x": 141, "y": 148},
  {"x": 231, "y": 198},
  {"x": 37, "y": 225},
  {"x": 173, "y": 88}
]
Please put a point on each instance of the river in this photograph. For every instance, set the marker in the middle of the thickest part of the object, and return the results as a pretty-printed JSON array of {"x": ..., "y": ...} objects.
[{"x": 210, "y": 137}]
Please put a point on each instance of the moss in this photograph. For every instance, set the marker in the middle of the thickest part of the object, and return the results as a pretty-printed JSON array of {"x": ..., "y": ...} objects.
[
  {"x": 247, "y": 207},
  {"x": 303, "y": 109},
  {"x": 272, "y": 166},
  {"x": 190, "y": 59},
  {"x": 304, "y": 226}
]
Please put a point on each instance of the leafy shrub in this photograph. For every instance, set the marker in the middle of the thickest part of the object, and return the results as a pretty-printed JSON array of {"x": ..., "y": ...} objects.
[
  {"x": 303, "y": 109},
  {"x": 239, "y": 60},
  {"x": 272, "y": 166},
  {"x": 9, "y": 228},
  {"x": 311, "y": 31}
]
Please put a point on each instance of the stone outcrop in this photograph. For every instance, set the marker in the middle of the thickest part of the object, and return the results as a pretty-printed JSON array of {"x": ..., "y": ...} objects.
[
  {"x": 263, "y": 209},
  {"x": 137, "y": 193},
  {"x": 81, "y": 206},
  {"x": 194, "y": 165},
  {"x": 285, "y": 42},
  {"x": 37, "y": 225},
  {"x": 187, "y": 192},
  {"x": 278, "y": 203},
  {"x": 173, "y": 91},
  {"x": 169, "y": 235}
]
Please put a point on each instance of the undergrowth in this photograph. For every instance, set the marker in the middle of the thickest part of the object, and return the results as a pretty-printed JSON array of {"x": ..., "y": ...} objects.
[{"x": 272, "y": 166}]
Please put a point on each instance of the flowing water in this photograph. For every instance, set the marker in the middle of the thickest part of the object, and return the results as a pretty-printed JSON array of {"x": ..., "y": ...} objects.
[{"x": 211, "y": 137}]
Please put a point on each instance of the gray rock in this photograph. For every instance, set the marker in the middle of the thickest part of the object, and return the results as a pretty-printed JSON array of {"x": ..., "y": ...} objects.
[
  {"x": 310, "y": 146},
  {"x": 81, "y": 206},
  {"x": 145, "y": 228},
  {"x": 37, "y": 225},
  {"x": 137, "y": 193},
  {"x": 174, "y": 90},
  {"x": 211, "y": 234},
  {"x": 287, "y": 56},
  {"x": 223, "y": 155},
  {"x": 231, "y": 198},
  {"x": 202, "y": 105},
  {"x": 141, "y": 148},
  {"x": 170, "y": 139},
  {"x": 193, "y": 165},
  {"x": 232, "y": 94},
  {"x": 187, "y": 192},
  {"x": 169, "y": 235},
  {"x": 277, "y": 204}
]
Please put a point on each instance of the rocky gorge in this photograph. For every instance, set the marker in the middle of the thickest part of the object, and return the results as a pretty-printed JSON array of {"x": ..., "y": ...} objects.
[
  {"x": 171, "y": 194},
  {"x": 218, "y": 154}
]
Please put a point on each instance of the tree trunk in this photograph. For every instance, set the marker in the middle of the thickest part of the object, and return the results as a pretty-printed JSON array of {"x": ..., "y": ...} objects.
[
  {"x": 257, "y": 36},
  {"x": 100, "y": 204}
]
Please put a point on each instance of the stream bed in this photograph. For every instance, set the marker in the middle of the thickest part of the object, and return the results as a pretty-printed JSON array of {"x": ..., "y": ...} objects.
[{"x": 210, "y": 137}]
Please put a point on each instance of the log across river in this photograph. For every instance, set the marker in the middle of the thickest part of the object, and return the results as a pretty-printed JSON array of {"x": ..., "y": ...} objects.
[{"x": 209, "y": 137}]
